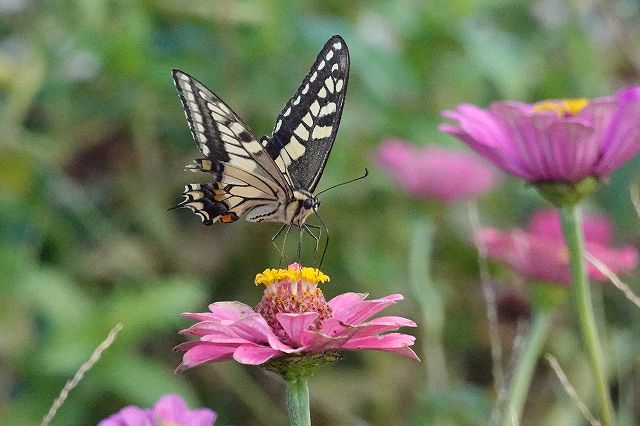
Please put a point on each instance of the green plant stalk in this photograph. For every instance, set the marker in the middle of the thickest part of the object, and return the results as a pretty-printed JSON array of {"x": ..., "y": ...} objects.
[
  {"x": 298, "y": 402},
  {"x": 525, "y": 366},
  {"x": 572, "y": 227}
]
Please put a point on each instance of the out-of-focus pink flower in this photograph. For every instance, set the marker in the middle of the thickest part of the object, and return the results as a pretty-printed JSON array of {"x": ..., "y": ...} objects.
[
  {"x": 169, "y": 410},
  {"x": 293, "y": 318},
  {"x": 540, "y": 252},
  {"x": 556, "y": 140},
  {"x": 436, "y": 172}
]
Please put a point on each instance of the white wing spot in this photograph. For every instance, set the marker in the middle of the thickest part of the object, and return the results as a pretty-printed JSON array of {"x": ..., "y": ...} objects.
[
  {"x": 329, "y": 55},
  {"x": 297, "y": 101},
  {"x": 278, "y": 124},
  {"x": 217, "y": 117},
  {"x": 224, "y": 108},
  {"x": 294, "y": 148},
  {"x": 215, "y": 108},
  {"x": 327, "y": 109},
  {"x": 236, "y": 128},
  {"x": 300, "y": 131},
  {"x": 313, "y": 76},
  {"x": 305, "y": 90},
  {"x": 307, "y": 120},
  {"x": 329, "y": 83},
  {"x": 199, "y": 127},
  {"x": 321, "y": 132},
  {"x": 322, "y": 93},
  {"x": 337, "y": 46},
  {"x": 184, "y": 77},
  {"x": 315, "y": 108},
  {"x": 189, "y": 96},
  {"x": 202, "y": 138},
  {"x": 334, "y": 67},
  {"x": 205, "y": 150},
  {"x": 197, "y": 116},
  {"x": 287, "y": 112},
  {"x": 339, "y": 85},
  {"x": 321, "y": 64}
]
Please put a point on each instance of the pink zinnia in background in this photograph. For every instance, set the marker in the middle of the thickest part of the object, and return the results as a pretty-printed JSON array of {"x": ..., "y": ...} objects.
[
  {"x": 556, "y": 140},
  {"x": 436, "y": 172},
  {"x": 293, "y": 318},
  {"x": 540, "y": 252},
  {"x": 169, "y": 410}
]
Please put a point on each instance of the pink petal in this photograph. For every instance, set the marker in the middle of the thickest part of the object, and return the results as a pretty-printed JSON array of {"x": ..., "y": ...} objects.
[
  {"x": 382, "y": 325},
  {"x": 222, "y": 311},
  {"x": 392, "y": 342},
  {"x": 201, "y": 417},
  {"x": 351, "y": 311},
  {"x": 128, "y": 416},
  {"x": 546, "y": 222},
  {"x": 170, "y": 408},
  {"x": 294, "y": 324},
  {"x": 254, "y": 354},
  {"x": 205, "y": 352}
]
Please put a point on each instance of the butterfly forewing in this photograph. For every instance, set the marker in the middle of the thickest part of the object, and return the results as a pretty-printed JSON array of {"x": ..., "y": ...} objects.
[{"x": 306, "y": 127}]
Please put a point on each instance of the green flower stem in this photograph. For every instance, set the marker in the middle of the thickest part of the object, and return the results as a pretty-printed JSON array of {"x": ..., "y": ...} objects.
[
  {"x": 298, "y": 402},
  {"x": 572, "y": 226},
  {"x": 430, "y": 299},
  {"x": 525, "y": 366}
]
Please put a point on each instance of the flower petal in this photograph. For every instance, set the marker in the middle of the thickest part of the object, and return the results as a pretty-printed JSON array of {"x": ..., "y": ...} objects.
[
  {"x": 253, "y": 354},
  {"x": 129, "y": 416},
  {"x": 205, "y": 352},
  {"x": 352, "y": 309},
  {"x": 294, "y": 324},
  {"x": 170, "y": 408},
  {"x": 393, "y": 342}
]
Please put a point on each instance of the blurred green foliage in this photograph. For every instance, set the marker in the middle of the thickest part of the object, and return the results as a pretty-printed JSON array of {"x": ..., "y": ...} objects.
[{"x": 92, "y": 149}]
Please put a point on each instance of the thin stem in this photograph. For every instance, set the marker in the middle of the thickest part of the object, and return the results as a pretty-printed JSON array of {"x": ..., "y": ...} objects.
[
  {"x": 298, "y": 402},
  {"x": 572, "y": 226},
  {"x": 525, "y": 366},
  {"x": 431, "y": 301}
]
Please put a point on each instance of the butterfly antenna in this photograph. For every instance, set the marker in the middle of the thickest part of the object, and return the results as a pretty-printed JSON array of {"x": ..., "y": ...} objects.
[
  {"x": 326, "y": 230},
  {"x": 366, "y": 173}
]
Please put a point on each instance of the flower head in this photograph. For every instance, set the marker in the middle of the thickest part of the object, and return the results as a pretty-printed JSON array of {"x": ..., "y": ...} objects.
[
  {"x": 293, "y": 319},
  {"x": 436, "y": 172},
  {"x": 170, "y": 410},
  {"x": 540, "y": 252},
  {"x": 564, "y": 140}
]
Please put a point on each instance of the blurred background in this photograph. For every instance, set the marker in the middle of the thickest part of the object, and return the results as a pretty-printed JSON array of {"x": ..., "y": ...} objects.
[{"x": 93, "y": 142}]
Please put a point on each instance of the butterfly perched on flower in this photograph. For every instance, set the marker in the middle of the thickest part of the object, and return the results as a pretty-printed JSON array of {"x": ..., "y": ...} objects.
[{"x": 271, "y": 179}]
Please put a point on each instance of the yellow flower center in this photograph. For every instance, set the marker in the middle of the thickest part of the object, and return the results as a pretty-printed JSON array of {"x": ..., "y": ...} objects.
[
  {"x": 562, "y": 107},
  {"x": 270, "y": 276}
]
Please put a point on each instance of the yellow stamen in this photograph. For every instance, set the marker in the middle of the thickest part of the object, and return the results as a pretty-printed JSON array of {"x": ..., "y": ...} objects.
[
  {"x": 270, "y": 276},
  {"x": 562, "y": 107}
]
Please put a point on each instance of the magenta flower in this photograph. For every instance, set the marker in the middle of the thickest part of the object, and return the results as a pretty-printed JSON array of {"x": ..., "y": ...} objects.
[
  {"x": 293, "y": 318},
  {"x": 436, "y": 172},
  {"x": 169, "y": 410},
  {"x": 541, "y": 253},
  {"x": 557, "y": 140}
]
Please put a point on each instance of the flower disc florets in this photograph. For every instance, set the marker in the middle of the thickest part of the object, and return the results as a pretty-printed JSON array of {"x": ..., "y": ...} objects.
[{"x": 293, "y": 290}]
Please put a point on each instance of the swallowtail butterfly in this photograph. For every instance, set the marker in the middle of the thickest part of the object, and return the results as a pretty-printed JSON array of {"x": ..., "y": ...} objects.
[{"x": 271, "y": 179}]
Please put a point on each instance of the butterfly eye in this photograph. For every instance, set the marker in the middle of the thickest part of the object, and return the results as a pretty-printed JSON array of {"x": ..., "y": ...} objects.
[{"x": 308, "y": 203}]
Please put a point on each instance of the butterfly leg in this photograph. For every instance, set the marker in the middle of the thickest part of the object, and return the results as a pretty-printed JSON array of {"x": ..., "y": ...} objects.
[
  {"x": 326, "y": 245},
  {"x": 299, "y": 252},
  {"x": 273, "y": 241},
  {"x": 316, "y": 238}
]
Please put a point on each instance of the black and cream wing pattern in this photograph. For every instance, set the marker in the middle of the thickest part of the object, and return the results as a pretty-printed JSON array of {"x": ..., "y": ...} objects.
[{"x": 272, "y": 178}]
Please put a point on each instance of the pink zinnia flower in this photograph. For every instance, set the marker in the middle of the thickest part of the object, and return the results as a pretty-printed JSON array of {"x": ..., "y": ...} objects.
[
  {"x": 293, "y": 318},
  {"x": 557, "y": 140},
  {"x": 169, "y": 410},
  {"x": 436, "y": 172},
  {"x": 541, "y": 253}
]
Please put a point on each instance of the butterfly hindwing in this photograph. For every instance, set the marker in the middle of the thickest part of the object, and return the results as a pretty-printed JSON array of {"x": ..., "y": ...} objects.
[{"x": 306, "y": 127}]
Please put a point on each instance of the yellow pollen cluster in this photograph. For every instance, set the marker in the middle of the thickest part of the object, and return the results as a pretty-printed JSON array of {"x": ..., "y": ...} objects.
[
  {"x": 270, "y": 276},
  {"x": 562, "y": 107}
]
